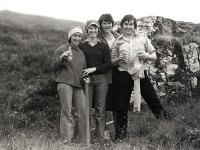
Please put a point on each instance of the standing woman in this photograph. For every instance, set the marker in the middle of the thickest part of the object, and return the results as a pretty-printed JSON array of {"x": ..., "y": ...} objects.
[
  {"x": 126, "y": 49},
  {"x": 68, "y": 62},
  {"x": 107, "y": 36},
  {"x": 98, "y": 62}
]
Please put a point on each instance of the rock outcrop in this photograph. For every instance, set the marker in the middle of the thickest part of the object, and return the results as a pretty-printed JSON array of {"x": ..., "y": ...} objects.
[{"x": 176, "y": 72}]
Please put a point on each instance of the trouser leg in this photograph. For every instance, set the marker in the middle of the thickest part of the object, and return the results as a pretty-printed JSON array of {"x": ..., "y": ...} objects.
[
  {"x": 79, "y": 104},
  {"x": 66, "y": 118},
  {"x": 100, "y": 93},
  {"x": 121, "y": 124},
  {"x": 114, "y": 114},
  {"x": 123, "y": 88},
  {"x": 149, "y": 94},
  {"x": 90, "y": 97}
]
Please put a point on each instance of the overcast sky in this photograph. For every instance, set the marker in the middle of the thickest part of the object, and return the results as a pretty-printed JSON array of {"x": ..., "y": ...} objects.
[{"x": 82, "y": 10}]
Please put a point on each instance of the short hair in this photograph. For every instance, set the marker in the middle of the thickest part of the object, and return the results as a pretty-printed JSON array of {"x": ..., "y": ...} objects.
[
  {"x": 129, "y": 17},
  {"x": 107, "y": 18}
]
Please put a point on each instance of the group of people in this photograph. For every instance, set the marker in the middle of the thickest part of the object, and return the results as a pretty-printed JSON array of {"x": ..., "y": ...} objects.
[{"x": 115, "y": 64}]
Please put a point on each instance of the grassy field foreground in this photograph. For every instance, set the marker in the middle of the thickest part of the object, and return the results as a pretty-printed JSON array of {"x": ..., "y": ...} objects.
[{"x": 146, "y": 133}]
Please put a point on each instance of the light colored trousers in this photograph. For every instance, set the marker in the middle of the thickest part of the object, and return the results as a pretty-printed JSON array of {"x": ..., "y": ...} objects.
[
  {"x": 73, "y": 113},
  {"x": 98, "y": 88}
]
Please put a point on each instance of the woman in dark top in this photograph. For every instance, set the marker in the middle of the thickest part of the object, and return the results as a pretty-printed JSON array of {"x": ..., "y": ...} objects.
[{"x": 98, "y": 62}]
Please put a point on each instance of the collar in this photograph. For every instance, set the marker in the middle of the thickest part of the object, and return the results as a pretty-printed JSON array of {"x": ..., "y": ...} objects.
[
  {"x": 96, "y": 42},
  {"x": 124, "y": 38},
  {"x": 75, "y": 47},
  {"x": 87, "y": 40}
]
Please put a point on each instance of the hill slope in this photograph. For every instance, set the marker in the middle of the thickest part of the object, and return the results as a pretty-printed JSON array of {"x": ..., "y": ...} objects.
[
  {"x": 33, "y": 21},
  {"x": 27, "y": 44}
]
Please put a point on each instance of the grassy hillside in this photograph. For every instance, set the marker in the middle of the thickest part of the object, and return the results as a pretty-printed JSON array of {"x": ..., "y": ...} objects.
[
  {"x": 35, "y": 22},
  {"x": 29, "y": 104},
  {"x": 27, "y": 89}
]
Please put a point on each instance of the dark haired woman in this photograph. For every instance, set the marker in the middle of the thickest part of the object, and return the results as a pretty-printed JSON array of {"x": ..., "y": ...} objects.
[
  {"x": 130, "y": 52},
  {"x": 107, "y": 36}
]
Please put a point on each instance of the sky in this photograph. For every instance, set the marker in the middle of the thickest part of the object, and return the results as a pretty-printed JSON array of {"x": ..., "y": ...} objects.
[{"x": 83, "y": 10}]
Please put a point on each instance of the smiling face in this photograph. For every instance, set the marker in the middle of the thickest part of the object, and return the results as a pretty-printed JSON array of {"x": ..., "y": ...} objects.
[
  {"x": 128, "y": 27},
  {"x": 76, "y": 38},
  {"x": 93, "y": 31},
  {"x": 106, "y": 26}
]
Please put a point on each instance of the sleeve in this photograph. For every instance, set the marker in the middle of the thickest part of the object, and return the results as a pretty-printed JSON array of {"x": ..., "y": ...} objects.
[
  {"x": 107, "y": 60},
  {"x": 57, "y": 63},
  {"x": 80, "y": 45},
  {"x": 115, "y": 49},
  {"x": 115, "y": 52},
  {"x": 148, "y": 46},
  {"x": 85, "y": 64}
]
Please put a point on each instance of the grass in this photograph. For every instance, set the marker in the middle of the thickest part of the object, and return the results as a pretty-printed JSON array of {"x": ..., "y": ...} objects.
[
  {"x": 29, "y": 104},
  {"x": 146, "y": 133}
]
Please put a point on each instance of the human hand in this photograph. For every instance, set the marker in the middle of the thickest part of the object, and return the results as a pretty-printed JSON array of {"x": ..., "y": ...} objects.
[
  {"x": 86, "y": 79},
  {"x": 87, "y": 71},
  {"x": 142, "y": 55},
  {"x": 66, "y": 54},
  {"x": 123, "y": 55}
]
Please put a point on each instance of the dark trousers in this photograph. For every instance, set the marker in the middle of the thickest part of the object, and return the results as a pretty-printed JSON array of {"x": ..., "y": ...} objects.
[
  {"x": 121, "y": 124},
  {"x": 149, "y": 95}
]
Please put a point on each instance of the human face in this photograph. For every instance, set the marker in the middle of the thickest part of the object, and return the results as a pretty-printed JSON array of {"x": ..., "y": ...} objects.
[
  {"x": 106, "y": 26},
  {"x": 93, "y": 31},
  {"x": 76, "y": 38},
  {"x": 128, "y": 27}
]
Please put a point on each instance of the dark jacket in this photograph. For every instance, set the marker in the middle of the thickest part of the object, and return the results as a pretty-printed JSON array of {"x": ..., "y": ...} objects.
[{"x": 103, "y": 40}]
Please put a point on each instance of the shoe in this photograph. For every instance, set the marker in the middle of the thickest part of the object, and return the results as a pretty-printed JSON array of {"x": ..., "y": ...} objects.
[
  {"x": 106, "y": 135},
  {"x": 117, "y": 140}
]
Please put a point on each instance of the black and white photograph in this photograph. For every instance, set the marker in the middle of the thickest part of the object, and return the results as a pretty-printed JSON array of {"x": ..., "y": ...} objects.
[{"x": 99, "y": 75}]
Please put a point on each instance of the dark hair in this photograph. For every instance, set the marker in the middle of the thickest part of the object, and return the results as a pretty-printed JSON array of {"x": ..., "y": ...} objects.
[
  {"x": 70, "y": 40},
  {"x": 129, "y": 17},
  {"x": 107, "y": 18}
]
